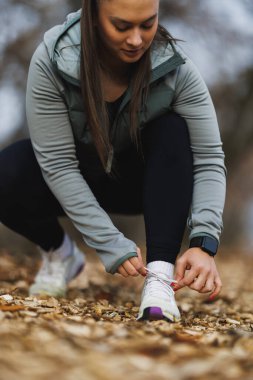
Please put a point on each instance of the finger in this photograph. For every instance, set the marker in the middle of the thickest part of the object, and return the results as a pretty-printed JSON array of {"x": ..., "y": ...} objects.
[
  {"x": 122, "y": 271},
  {"x": 209, "y": 285},
  {"x": 177, "y": 286},
  {"x": 138, "y": 265},
  {"x": 217, "y": 289},
  {"x": 190, "y": 276},
  {"x": 141, "y": 268},
  {"x": 187, "y": 280},
  {"x": 180, "y": 269},
  {"x": 129, "y": 266},
  {"x": 138, "y": 251},
  {"x": 199, "y": 282}
]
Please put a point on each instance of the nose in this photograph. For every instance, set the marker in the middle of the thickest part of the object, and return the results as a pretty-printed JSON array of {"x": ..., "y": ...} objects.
[{"x": 134, "y": 39}]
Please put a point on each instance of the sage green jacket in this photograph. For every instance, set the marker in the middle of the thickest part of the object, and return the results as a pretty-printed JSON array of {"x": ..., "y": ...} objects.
[{"x": 56, "y": 117}]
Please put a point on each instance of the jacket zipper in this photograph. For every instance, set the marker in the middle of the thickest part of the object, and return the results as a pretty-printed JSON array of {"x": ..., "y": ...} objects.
[{"x": 108, "y": 168}]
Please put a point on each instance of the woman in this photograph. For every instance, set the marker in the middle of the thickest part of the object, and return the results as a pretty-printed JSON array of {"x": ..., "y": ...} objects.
[{"x": 120, "y": 121}]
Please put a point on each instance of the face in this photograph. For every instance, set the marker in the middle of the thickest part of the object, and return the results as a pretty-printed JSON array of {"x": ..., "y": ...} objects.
[{"x": 127, "y": 27}]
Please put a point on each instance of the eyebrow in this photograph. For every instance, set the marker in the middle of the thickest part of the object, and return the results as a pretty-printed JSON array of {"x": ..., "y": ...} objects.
[{"x": 130, "y": 23}]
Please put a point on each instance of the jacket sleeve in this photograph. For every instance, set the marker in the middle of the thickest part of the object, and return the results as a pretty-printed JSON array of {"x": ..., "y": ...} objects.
[
  {"x": 193, "y": 102},
  {"x": 53, "y": 143}
]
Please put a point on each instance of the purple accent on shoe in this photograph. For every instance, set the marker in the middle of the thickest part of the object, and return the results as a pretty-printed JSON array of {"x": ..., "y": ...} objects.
[{"x": 153, "y": 313}]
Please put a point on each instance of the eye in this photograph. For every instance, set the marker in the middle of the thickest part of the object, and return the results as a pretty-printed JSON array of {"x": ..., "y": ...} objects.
[
  {"x": 125, "y": 28},
  {"x": 121, "y": 28},
  {"x": 147, "y": 26}
]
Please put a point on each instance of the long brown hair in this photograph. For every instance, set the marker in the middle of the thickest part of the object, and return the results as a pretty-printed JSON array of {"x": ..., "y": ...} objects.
[{"x": 95, "y": 106}]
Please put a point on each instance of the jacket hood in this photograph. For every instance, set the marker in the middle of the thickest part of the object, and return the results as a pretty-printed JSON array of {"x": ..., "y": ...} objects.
[{"x": 63, "y": 43}]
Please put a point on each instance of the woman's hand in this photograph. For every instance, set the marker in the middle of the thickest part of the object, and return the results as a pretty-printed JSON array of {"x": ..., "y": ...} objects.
[
  {"x": 133, "y": 266},
  {"x": 197, "y": 270}
]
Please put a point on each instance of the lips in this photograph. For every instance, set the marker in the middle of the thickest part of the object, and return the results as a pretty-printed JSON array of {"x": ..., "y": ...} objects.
[{"x": 132, "y": 52}]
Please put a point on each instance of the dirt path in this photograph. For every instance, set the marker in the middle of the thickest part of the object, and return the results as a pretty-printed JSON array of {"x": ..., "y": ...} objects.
[{"x": 93, "y": 334}]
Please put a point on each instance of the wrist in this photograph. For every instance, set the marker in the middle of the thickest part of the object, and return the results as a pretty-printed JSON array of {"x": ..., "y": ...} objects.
[{"x": 207, "y": 244}]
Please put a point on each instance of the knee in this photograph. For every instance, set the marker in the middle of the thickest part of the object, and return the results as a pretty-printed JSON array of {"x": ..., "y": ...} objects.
[
  {"x": 169, "y": 132},
  {"x": 173, "y": 127}
]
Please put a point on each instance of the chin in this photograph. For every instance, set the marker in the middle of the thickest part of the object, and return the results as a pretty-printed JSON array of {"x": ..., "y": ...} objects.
[{"x": 131, "y": 60}]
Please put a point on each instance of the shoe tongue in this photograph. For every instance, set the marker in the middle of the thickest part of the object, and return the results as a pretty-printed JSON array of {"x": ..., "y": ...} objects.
[
  {"x": 159, "y": 277},
  {"x": 162, "y": 267}
]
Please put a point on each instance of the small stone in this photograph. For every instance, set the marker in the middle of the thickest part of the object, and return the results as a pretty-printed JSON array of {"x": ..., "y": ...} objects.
[
  {"x": 27, "y": 313},
  {"x": 6, "y": 297},
  {"x": 232, "y": 321}
]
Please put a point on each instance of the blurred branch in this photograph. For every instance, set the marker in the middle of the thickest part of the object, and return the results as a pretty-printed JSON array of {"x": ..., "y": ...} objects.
[{"x": 234, "y": 104}]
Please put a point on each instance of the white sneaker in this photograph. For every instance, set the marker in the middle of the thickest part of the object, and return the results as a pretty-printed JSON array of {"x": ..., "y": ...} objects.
[
  {"x": 55, "y": 273},
  {"x": 157, "y": 300}
]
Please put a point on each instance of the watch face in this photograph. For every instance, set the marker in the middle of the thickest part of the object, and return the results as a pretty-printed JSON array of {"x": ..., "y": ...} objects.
[
  {"x": 210, "y": 245},
  {"x": 206, "y": 243}
]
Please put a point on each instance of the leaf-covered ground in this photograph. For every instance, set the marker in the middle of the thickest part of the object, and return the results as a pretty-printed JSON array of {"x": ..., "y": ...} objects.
[{"x": 93, "y": 333}]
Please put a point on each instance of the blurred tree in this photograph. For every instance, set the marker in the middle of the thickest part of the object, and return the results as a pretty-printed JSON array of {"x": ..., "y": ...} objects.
[{"x": 234, "y": 106}]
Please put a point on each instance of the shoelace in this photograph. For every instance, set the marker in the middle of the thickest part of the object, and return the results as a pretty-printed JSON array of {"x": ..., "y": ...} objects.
[{"x": 165, "y": 281}]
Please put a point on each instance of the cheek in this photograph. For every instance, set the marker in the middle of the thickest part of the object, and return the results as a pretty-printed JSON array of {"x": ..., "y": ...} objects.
[
  {"x": 114, "y": 39},
  {"x": 148, "y": 38},
  {"x": 111, "y": 38}
]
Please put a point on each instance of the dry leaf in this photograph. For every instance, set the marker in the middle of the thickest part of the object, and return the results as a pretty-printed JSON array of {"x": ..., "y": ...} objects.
[
  {"x": 12, "y": 307},
  {"x": 93, "y": 334}
]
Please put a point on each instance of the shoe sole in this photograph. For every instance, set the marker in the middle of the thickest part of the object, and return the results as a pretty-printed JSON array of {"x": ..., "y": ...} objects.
[{"x": 47, "y": 293}]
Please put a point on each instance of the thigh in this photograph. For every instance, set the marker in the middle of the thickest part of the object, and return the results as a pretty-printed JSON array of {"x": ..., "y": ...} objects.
[
  {"x": 165, "y": 147},
  {"x": 122, "y": 191},
  {"x": 22, "y": 182},
  {"x": 165, "y": 140}
]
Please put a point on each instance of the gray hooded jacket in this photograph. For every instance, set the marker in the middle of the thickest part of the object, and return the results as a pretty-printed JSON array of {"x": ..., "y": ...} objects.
[{"x": 56, "y": 116}]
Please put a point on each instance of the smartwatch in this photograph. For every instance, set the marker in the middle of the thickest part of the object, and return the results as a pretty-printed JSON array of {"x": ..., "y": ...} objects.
[{"x": 208, "y": 244}]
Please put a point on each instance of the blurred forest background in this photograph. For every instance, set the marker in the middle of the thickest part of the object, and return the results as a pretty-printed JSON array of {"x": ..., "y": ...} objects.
[{"x": 216, "y": 34}]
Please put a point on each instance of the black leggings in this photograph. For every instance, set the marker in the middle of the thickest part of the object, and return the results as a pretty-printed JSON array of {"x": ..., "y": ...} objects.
[{"x": 159, "y": 186}]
